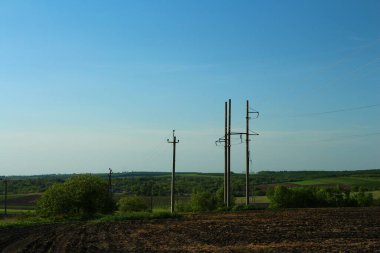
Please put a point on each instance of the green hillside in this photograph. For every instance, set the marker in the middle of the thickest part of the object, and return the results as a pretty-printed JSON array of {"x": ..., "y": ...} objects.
[{"x": 369, "y": 182}]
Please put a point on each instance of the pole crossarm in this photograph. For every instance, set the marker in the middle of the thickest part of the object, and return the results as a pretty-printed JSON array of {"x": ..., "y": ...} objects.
[
  {"x": 253, "y": 112},
  {"x": 222, "y": 139},
  {"x": 174, "y": 138},
  {"x": 241, "y": 133}
]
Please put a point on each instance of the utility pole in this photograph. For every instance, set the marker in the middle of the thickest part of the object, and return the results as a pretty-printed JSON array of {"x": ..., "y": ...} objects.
[
  {"x": 109, "y": 180},
  {"x": 225, "y": 151},
  {"x": 5, "y": 197},
  {"x": 248, "y": 153},
  {"x": 247, "y": 158},
  {"x": 174, "y": 142},
  {"x": 229, "y": 156}
]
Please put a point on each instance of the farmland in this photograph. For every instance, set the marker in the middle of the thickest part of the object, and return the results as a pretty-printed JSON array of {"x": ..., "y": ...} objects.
[
  {"x": 289, "y": 230},
  {"x": 360, "y": 181},
  {"x": 25, "y": 190},
  {"x": 301, "y": 230}
]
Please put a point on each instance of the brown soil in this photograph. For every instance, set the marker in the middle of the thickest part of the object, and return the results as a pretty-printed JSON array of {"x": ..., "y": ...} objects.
[
  {"x": 27, "y": 200},
  {"x": 296, "y": 230}
]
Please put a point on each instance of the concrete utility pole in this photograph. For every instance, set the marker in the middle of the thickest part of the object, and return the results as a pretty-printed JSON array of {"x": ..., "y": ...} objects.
[
  {"x": 247, "y": 140},
  {"x": 174, "y": 142},
  {"x": 229, "y": 156},
  {"x": 225, "y": 151},
  {"x": 247, "y": 158}
]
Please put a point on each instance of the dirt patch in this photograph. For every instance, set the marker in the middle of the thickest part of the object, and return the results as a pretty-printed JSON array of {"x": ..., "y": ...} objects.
[{"x": 296, "y": 230}]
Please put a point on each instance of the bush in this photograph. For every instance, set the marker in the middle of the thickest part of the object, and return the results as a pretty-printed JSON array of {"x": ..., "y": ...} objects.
[
  {"x": 132, "y": 204},
  {"x": 183, "y": 206},
  {"x": 83, "y": 196},
  {"x": 203, "y": 201},
  {"x": 363, "y": 199},
  {"x": 282, "y": 197}
]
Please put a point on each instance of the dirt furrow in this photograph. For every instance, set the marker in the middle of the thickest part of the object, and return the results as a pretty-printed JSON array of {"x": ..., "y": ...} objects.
[{"x": 297, "y": 230}]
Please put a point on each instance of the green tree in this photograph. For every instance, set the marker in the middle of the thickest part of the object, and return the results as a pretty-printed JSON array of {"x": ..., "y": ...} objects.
[
  {"x": 82, "y": 195},
  {"x": 55, "y": 201},
  {"x": 282, "y": 197}
]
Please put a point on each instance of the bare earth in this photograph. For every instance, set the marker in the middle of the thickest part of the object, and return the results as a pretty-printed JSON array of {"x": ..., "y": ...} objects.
[{"x": 296, "y": 230}]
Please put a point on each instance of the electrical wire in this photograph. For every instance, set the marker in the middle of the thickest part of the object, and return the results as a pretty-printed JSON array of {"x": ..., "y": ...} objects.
[
  {"x": 337, "y": 111},
  {"x": 348, "y": 137}
]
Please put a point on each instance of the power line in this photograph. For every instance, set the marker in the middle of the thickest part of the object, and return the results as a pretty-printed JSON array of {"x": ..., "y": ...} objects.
[
  {"x": 333, "y": 65},
  {"x": 337, "y": 111},
  {"x": 346, "y": 137}
]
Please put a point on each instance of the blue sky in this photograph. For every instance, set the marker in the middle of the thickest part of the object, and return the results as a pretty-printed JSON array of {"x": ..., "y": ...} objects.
[{"x": 87, "y": 85}]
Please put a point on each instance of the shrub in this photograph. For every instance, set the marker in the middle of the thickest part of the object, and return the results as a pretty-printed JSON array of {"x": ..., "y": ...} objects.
[
  {"x": 183, "y": 206},
  {"x": 203, "y": 201},
  {"x": 282, "y": 197},
  {"x": 83, "y": 195},
  {"x": 219, "y": 195},
  {"x": 363, "y": 199},
  {"x": 132, "y": 204}
]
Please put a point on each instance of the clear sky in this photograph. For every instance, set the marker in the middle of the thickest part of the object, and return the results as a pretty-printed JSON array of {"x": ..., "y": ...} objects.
[{"x": 88, "y": 85}]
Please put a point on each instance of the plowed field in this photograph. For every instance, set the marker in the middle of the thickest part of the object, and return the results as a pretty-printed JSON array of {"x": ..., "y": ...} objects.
[{"x": 296, "y": 230}]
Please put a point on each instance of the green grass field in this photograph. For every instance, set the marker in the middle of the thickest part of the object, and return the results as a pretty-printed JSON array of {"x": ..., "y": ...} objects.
[
  {"x": 369, "y": 182},
  {"x": 194, "y": 174}
]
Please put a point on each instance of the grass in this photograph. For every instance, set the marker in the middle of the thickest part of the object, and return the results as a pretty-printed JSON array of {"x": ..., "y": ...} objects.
[
  {"x": 137, "y": 216},
  {"x": 194, "y": 174},
  {"x": 368, "y": 182},
  {"x": 256, "y": 199},
  {"x": 376, "y": 194},
  {"x": 21, "y": 207},
  {"x": 19, "y": 211},
  {"x": 23, "y": 221},
  {"x": 159, "y": 202},
  {"x": 31, "y": 219}
]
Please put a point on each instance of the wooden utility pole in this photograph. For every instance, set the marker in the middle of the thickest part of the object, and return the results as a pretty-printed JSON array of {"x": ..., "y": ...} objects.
[
  {"x": 174, "y": 142},
  {"x": 229, "y": 156},
  {"x": 247, "y": 158}
]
